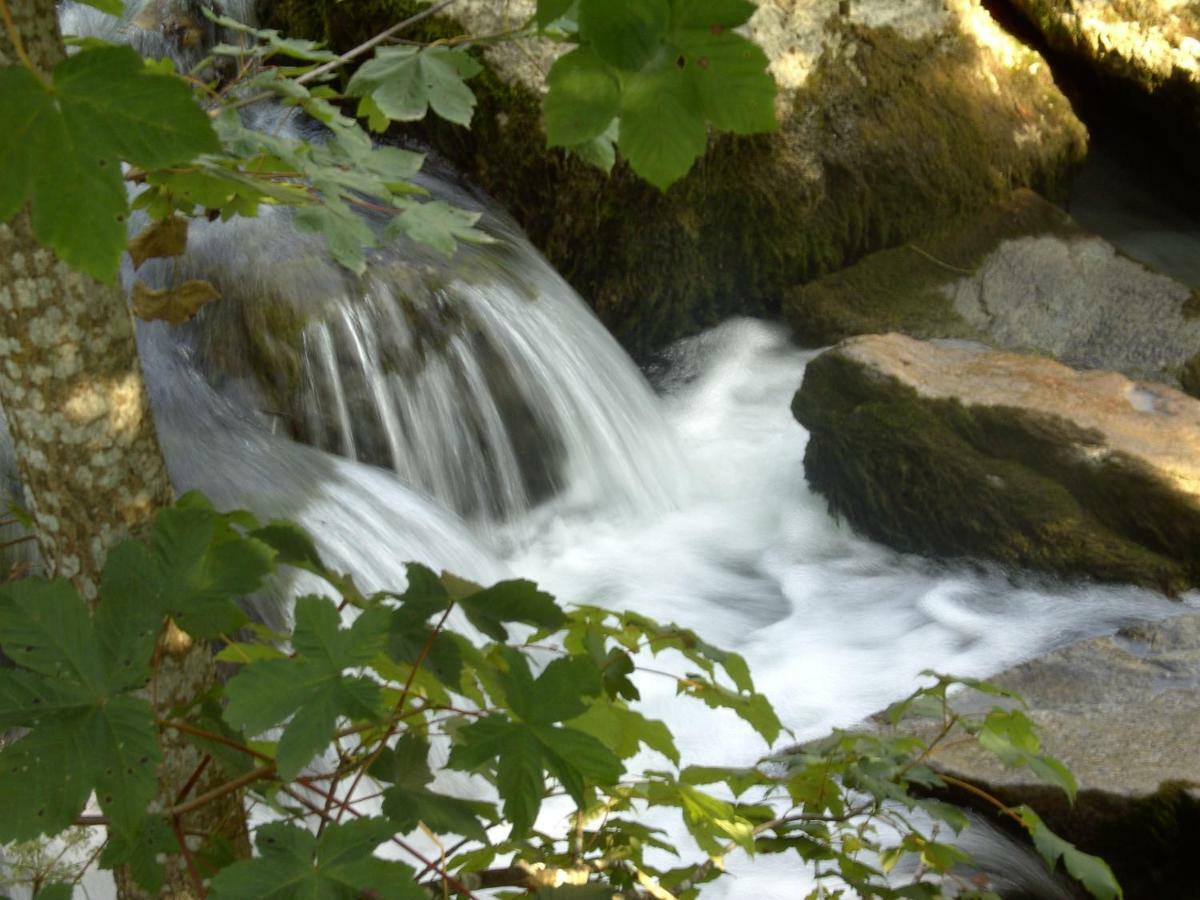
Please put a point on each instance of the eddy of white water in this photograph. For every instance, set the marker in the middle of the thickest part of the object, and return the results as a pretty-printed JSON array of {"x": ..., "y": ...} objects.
[{"x": 834, "y": 627}]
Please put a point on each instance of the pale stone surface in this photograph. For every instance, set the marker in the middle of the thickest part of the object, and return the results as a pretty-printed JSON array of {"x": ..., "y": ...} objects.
[
  {"x": 1122, "y": 711},
  {"x": 1082, "y": 302},
  {"x": 1152, "y": 423}
]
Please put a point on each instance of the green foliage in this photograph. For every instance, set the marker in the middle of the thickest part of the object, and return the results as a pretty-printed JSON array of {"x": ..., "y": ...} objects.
[
  {"x": 87, "y": 733},
  {"x": 405, "y": 82},
  {"x": 536, "y": 703},
  {"x": 649, "y": 76},
  {"x": 663, "y": 71},
  {"x": 292, "y": 862},
  {"x": 64, "y": 140},
  {"x": 1093, "y": 873}
]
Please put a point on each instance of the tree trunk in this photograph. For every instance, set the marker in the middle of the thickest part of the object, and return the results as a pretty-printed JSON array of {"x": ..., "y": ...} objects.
[{"x": 71, "y": 387}]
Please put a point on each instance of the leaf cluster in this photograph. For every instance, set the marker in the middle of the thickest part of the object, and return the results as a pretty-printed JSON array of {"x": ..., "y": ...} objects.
[
  {"x": 653, "y": 76},
  {"x": 367, "y": 695}
]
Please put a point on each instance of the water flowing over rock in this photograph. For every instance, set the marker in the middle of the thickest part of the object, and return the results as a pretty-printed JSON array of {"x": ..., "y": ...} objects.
[
  {"x": 952, "y": 451},
  {"x": 1123, "y": 712},
  {"x": 483, "y": 382},
  {"x": 1019, "y": 276},
  {"x": 896, "y": 116}
]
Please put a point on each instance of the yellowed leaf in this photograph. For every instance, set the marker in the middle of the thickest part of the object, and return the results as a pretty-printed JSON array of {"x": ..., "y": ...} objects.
[
  {"x": 174, "y": 305},
  {"x": 166, "y": 237},
  {"x": 653, "y": 888}
]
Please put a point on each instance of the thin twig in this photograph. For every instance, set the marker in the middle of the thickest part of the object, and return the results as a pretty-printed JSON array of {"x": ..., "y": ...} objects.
[
  {"x": 937, "y": 262},
  {"x": 211, "y": 736},
  {"x": 222, "y": 789},
  {"x": 195, "y": 776},
  {"x": 186, "y": 852},
  {"x": 398, "y": 710},
  {"x": 14, "y": 36},
  {"x": 982, "y": 794}
]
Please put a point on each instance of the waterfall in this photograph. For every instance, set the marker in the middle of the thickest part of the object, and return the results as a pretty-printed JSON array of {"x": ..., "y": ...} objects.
[{"x": 483, "y": 382}]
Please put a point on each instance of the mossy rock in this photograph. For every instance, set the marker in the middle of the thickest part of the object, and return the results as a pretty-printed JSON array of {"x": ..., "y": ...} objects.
[
  {"x": 1144, "y": 54},
  {"x": 1121, "y": 711},
  {"x": 1019, "y": 276},
  {"x": 889, "y": 135},
  {"x": 904, "y": 289},
  {"x": 942, "y": 476}
]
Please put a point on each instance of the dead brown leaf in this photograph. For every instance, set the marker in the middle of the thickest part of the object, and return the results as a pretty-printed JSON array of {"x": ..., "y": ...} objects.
[
  {"x": 166, "y": 237},
  {"x": 174, "y": 305}
]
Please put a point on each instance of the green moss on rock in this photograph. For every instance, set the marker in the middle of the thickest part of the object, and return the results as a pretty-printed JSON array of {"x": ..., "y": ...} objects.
[
  {"x": 902, "y": 289},
  {"x": 935, "y": 477}
]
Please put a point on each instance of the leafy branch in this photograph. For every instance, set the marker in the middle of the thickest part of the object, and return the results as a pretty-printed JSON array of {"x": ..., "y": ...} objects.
[{"x": 368, "y": 682}]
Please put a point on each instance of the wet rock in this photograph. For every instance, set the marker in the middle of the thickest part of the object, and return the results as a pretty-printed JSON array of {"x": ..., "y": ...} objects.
[
  {"x": 963, "y": 452},
  {"x": 1122, "y": 712},
  {"x": 894, "y": 117},
  {"x": 1019, "y": 276}
]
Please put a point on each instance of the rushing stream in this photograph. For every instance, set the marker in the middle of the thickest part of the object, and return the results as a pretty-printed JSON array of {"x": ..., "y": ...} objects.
[
  {"x": 475, "y": 416},
  {"x": 690, "y": 506}
]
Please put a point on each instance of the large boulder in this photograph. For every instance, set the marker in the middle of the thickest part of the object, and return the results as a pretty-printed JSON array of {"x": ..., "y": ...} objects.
[
  {"x": 1123, "y": 712},
  {"x": 964, "y": 452},
  {"x": 1020, "y": 276},
  {"x": 1149, "y": 50},
  {"x": 896, "y": 116}
]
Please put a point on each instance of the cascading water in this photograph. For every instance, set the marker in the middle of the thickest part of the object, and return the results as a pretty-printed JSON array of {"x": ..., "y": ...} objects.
[
  {"x": 486, "y": 385},
  {"x": 834, "y": 627},
  {"x": 691, "y": 508}
]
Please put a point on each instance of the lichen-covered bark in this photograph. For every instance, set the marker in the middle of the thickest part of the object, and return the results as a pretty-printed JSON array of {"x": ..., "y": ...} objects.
[
  {"x": 77, "y": 408},
  {"x": 71, "y": 385},
  {"x": 93, "y": 473}
]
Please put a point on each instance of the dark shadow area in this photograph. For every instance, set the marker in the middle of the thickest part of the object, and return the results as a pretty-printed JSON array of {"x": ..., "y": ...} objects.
[{"x": 1140, "y": 186}]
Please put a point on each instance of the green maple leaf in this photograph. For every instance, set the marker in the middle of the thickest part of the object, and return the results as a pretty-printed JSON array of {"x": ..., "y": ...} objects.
[
  {"x": 410, "y": 801},
  {"x": 729, "y": 75},
  {"x": 346, "y": 232},
  {"x": 311, "y": 688},
  {"x": 511, "y": 601},
  {"x": 64, "y": 141},
  {"x": 406, "y": 81},
  {"x": 626, "y": 34},
  {"x": 550, "y": 11},
  {"x": 584, "y": 96},
  {"x": 1090, "y": 871},
  {"x": 339, "y": 865},
  {"x": 85, "y": 734},
  {"x": 521, "y": 750},
  {"x": 195, "y": 569},
  {"x": 663, "y": 131},
  {"x": 439, "y": 225},
  {"x": 142, "y": 852}
]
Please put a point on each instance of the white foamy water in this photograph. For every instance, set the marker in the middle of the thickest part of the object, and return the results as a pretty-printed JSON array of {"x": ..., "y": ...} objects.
[
  {"x": 834, "y": 627},
  {"x": 475, "y": 416}
]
